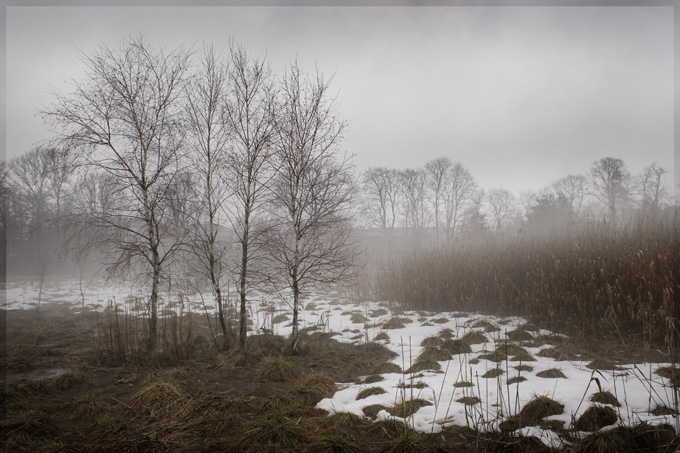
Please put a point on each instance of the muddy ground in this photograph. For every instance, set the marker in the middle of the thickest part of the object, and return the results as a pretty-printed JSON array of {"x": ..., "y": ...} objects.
[{"x": 68, "y": 390}]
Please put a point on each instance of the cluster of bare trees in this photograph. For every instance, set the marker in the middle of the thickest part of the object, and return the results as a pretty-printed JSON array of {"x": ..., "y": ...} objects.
[
  {"x": 196, "y": 160},
  {"x": 443, "y": 201}
]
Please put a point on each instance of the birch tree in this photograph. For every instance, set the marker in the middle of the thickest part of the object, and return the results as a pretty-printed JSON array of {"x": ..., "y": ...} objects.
[
  {"x": 208, "y": 140},
  {"x": 437, "y": 171},
  {"x": 381, "y": 198},
  {"x": 127, "y": 113},
  {"x": 310, "y": 245},
  {"x": 250, "y": 112}
]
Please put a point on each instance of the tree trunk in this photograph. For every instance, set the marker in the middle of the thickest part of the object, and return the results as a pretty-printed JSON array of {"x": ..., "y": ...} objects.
[
  {"x": 243, "y": 322},
  {"x": 294, "y": 336},
  {"x": 153, "y": 320}
]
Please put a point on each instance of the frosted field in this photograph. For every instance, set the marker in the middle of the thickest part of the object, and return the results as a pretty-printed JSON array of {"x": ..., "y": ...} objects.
[{"x": 637, "y": 388}]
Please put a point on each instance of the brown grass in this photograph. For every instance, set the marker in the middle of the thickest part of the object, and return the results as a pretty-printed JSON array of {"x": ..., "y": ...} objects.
[
  {"x": 596, "y": 417},
  {"x": 590, "y": 280}
]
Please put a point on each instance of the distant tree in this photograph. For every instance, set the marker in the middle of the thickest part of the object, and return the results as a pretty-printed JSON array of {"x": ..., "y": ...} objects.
[
  {"x": 438, "y": 177},
  {"x": 250, "y": 114},
  {"x": 549, "y": 213},
  {"x": 62, "y": 164},
  {"x": 28, "y": 177},
  {"x": 474, "y": 223},
  {"x": 610, "y": 183},
  {"x": 413, "y": 184},
  {"x": 501, "y": 206},
  {"x": 127, "y": 113},
  {"x": 651, "y": 190},
  {"x": 458, "y": 197},
  {"x": 381, "y": 198},
  {"x": 310, "y": 244},
  {"x": 573, "y": 188}
]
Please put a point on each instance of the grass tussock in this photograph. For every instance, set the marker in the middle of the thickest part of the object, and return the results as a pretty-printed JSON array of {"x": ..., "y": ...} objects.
[
  {"x": 493, "y": 373},
  {"x": 670, "y": 373},
  {"x": 554, "y": 373},
  {"x": 67, "y": 381},
  {"x": 596, "y": 417},
  {"x": 396, "y": 323},
  {"x": 408, "y": 408},
  {"x": 371, "y": 411},
  {"x": 244, "y": 357},
  {"x": 462, "y": 384},
  {"x": 365, "y": 393},
  {"x": 358, "y": 318},
  {"x": 423, "y": 365},
  {"x": 469, "y": 400},
  {"x": 314, "y": 388},
  {"x": 605, "y": 397},
  {"x": 540, "y": 407},
  {"x": 91, "y": 405},
  {"x": 272, "y": 431},
  {"x": 279, "y": 369},
  {"x": 516, "y": 380}
]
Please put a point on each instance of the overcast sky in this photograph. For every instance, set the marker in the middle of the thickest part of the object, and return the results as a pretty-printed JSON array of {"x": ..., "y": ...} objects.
[{"x": 520, "y": 95}]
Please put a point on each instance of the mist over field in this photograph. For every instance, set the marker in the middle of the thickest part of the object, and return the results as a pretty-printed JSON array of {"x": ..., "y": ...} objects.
[{"x": 210, "y": 251}]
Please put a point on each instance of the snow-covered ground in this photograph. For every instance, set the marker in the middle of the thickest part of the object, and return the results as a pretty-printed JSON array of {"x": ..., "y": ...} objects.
[{"x": 638, "y": 389}]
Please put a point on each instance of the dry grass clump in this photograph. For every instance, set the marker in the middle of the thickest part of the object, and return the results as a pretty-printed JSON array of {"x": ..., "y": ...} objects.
[
  {"x": 603, "y": 364},
  {"x": 244, "y": 357},
  {"x": 314, "y": 388},
  {"x": 25, "y": 387},
  {"x": 378, "y": 312},
  {"x": 382, "y": 336},
  {"x": 396, "y": 323},
  {"x": 670, "y": 373},
  {"x": 365, "y": 393},
  {"x": 157, "y": 398},
  {"x": 525, "y": 368},
  {"x": 279, "y": 369},
  {"x": 469, "y": 400},
  {"x": 554, "y": 373},
  {"x": 434, "y": 354},
  {"x": 271, "y": 432},
  {"x": 540, "y": 407},
  {"x": 455, "y": 347},
  {"x": 278, "y": 319},
  {"x": 439, "y": 321},
  {"x": 371, "y": 411},
  {"x": 389, "y": 428},
  {"x": 554, "y": 353},
  {"x": 422, "y": 365},
  {"x": 596, "y": 417},
  {"x": 337, "y": 443},
  {"x": 519, "y": 335},
  {"x": 605, "y": 398},
  {"x": 516, "y": 380},
  {"x": 410, "y": 442},
  {"x": 486, "y": 325},
  {"x": 474, "y": 337},
  {"x": 408, "y": 408},
  {"x": 662, "y": 410},
  {"x": 90, "y": 405},
  {"x": 67, "y": 381},
  {"x": 358, "y": 318},
  {"x": 496, "y": 356},
  {"x": 19, "y": 427},
  {"x": 373, "y": 379},
  {"x": 463, "y": 384},
  {"x": 617, "y": 440},
  {"x": 493, "y": 373}
]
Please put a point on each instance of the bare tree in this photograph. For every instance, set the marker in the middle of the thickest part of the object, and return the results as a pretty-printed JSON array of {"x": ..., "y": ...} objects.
[
  {"x": 209, "y": 140},
  {"x": 381, "y": 198},
  {"x": 127, "y": 112},
  {"x": 438, "y": 174},
  {"x": 459, "y": 194},
  {"x": 29, "y": 177},
  {"x": 311, "y": 245},
  {"x": 62, "y": 164},
  {"x": 501, "y": 205},
  {"x": 610, "y": 183},
  {"x": 414, "y": 199},
  {"x": 650, "y": 187},
  {"x": 573, "y": 188},
  {"x": 250, "y": 116}
]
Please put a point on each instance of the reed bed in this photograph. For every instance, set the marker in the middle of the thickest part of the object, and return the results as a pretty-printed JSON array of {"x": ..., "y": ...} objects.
[{"x": 589, "y": 281}]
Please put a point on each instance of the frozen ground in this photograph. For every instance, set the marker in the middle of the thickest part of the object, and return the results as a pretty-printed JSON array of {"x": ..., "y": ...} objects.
[{"x": 638, "y": 389}]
